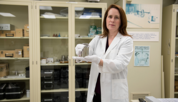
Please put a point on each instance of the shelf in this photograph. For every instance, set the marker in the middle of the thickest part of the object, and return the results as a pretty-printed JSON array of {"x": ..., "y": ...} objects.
[
  {"x": 176, "y": 74},
  {"x": 176, "y": 56},
  {"x": 176, "y": 37},
  {"x": 85, "y": 38},
  {"x": 5, "y": 58},
  {"x": 92, "y": 18},
  {"x": 53, "y": 64},
  {"x": 21, "y": 99},
  {"x": 54, "y": 37},
  {"x": 57, "y": 90},
  {"x": 14, "y": 37},
  {"x": 55, "y": 18},
  {"x": 81, "y": 89},
  {"x": 175, "y": 92},
  {"x": 82, "y": 63},
  {"x": 8, "y": 79}
]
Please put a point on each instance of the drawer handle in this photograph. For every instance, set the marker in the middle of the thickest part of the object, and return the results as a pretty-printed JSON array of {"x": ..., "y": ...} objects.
[
  {"x": 48, "y": 87},
  {"x": 48, "y": 77}
]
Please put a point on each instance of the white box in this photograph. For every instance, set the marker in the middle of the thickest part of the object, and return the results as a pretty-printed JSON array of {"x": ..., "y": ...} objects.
[{"x": 49, "y": 60}]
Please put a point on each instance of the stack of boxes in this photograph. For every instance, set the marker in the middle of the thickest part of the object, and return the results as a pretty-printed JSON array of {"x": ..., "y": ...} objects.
[
  {"x": 17, "y": 53},
  {"x": 17, "y": 33}
]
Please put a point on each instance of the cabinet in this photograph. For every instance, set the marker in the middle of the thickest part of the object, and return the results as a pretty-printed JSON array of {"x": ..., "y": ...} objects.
[
  {"x": 15, "y": 47},
  {"x": 59, "y": 26},
  {"x": 46, "y": 33},
  {"x": 170, "y": 49}
]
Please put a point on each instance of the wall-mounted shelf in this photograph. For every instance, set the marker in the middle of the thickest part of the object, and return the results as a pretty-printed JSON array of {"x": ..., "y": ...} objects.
[
  {"x": 24, "y": 98},
  {"x": 58, "y": 90},
  {"x": 14, "y": 37},
  {"x": 82, "y": 89},
  {"x": 53, "y": 37}
]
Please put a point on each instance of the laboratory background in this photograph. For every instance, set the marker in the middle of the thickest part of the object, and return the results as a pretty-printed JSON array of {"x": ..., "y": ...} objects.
[{"x": 38, "y": 39}]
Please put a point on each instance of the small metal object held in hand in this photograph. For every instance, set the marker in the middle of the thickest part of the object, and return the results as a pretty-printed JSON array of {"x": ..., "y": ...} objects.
[{"x": 84, "y": 52}]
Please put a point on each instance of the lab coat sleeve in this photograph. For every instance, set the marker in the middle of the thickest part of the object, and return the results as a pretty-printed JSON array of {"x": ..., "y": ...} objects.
[
  {"x": 122, "y": 59},
  {"x": 92, "y": 44}
]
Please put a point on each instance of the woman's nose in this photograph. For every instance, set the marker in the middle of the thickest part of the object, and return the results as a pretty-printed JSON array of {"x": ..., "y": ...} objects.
[{"x": 112, "y": 19}]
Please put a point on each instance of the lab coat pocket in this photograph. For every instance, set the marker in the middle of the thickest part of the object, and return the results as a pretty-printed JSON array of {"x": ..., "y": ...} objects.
[{"x": 119, "y": 89}]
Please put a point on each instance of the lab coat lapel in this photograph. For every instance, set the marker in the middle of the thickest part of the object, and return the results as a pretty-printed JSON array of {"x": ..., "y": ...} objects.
[
  {"x": 113, "y": 43},
  {"x": 103, "y": 42}
]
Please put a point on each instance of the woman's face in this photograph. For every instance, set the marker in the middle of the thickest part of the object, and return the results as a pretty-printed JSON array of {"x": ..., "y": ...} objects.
[{"x": 113, "y": 20}]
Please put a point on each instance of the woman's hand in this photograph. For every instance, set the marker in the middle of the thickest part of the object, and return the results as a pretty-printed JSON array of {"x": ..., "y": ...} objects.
[
  {"x": 92, "y": 58},
  {"x": 78, "y": 48}
]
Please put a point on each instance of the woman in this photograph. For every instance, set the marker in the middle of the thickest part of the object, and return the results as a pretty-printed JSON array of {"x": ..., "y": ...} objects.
[{"x": 110, "y": 53}]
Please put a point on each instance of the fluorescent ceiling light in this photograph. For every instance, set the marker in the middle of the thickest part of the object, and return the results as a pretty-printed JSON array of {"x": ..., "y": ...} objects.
[
  {"x": 7, "y": 14},
  {"x": 46, "y": 8},
  {"x": 79, "y": 8},
  {"x": 49, "y": 16}
]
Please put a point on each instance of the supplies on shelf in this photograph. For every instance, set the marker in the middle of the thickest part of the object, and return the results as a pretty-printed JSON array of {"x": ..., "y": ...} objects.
[
  {"x": 4, "y": 69},
  {"x": 7, "y": 53},
  {"x": 26, "y": 51},
  {"x": 94, "y": 30},
  {"x": 16, "y": 33},
  {"x": 26, "y": 30},
  {"x": 176, "y": 86},
  {"x": 17, "y": 53},
  {"x": 54, "y": 78},
  {"x": 12, "y": 90}
]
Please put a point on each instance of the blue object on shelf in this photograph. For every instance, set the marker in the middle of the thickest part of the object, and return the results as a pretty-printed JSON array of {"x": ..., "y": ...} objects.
[
  {"x": 59, "y": 35},
  {"x": 90, "y": 11}
]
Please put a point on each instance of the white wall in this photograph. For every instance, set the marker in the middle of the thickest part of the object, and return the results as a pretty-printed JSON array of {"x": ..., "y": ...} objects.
[{"x": 147, "y": 79}]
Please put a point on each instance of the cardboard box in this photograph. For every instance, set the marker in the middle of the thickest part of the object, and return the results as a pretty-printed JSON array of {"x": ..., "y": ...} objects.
[
  {"x": 26, "y": 51},
  {"x": 13, "y": 32},
  {"x": 7, "y": 53},
  {"x": 18, "y": 53},
  {"x": 26, "y": 30},
  {"x": 3, "y": 33},
  {"x": 4, "y": 70},
  {"x": 19, "y": 33}
]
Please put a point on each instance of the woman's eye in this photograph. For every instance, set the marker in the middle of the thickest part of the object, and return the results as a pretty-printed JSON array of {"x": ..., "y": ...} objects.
[
  {"x": 116, "y": 17},
  {"x": 110, "y": 16}
]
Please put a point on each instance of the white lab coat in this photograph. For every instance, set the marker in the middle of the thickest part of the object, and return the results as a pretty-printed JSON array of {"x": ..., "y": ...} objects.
[{"x": 113, "y": 77}]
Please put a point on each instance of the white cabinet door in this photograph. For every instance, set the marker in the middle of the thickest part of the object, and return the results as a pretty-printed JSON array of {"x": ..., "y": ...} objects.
[
  {"x": 87, "y": 22},
  {"x": 53, "y": 36}
]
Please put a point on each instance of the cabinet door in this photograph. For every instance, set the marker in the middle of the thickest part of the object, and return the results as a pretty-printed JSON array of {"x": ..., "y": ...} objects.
[
  {"x": 175, "y": 52},
  {"x": 170, "y": 50},
  {"x": 53, "y": 51},
  {"x": 15, "y": 51},
  {"x": 87, "y": 20}
]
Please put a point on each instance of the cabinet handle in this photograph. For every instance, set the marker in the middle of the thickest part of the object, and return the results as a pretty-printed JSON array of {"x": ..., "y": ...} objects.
[{"x": 36, "y": 63}]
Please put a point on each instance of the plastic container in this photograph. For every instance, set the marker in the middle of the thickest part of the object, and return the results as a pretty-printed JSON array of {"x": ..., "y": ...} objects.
[{"x": 28, "y": 93}]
